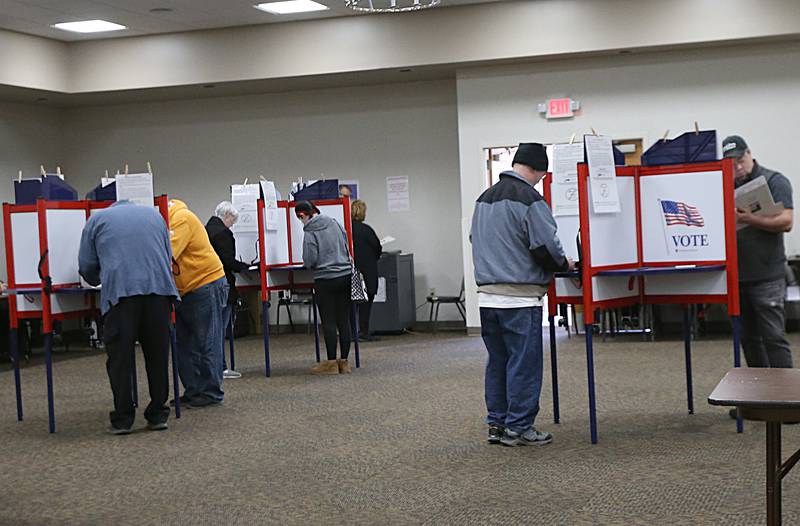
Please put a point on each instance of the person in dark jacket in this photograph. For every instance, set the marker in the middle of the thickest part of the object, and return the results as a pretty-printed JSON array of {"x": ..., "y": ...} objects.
[
  {"x": 221, "y": 237},
  {"x": 367, "y": 250},
  {"x": 325, "y": 251}
]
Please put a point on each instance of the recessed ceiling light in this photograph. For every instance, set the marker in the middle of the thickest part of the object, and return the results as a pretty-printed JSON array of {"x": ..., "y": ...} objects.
[
  {"x": 161, "y": 10},
  {"x": 89, "y": 26},
  {"x": 291, "y": 6}
]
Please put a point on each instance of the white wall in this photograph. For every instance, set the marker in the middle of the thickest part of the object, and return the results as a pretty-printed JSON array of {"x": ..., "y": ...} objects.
[
  {"x": 199, "y": 147},
  {"x": 749, "y": 90},
  {"x": 29, "y": 136}
]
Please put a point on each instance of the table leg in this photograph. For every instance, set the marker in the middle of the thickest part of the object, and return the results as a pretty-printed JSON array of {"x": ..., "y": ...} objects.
[
  {"x": 590, "y": 374},
  {"x": 554, "y": 368},
  {"x": 14, "y": 347},
  {"x": 48, "y": 357},
  {"x": 773, "y": 473},
  {"x": 737, "y": 360},
  {"x": 176, "y": 390},
  {"x": 316, "y": 324},
  {"x": 265, "y": 323},
  {"x": 687, "y": 347},
  {"x": 354, "y": 307}
]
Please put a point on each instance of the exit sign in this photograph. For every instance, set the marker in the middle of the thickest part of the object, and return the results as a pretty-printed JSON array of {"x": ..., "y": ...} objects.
[{"x": 559, "y": 108}]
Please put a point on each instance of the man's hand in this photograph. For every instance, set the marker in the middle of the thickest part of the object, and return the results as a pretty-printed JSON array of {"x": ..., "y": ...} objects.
[
  {"x": 570, "y": 263},
  {"x": 745, "y": 216}
]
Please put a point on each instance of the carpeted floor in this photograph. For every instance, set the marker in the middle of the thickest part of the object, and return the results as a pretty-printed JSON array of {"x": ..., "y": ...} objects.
[{"x": 400, "y": 441}]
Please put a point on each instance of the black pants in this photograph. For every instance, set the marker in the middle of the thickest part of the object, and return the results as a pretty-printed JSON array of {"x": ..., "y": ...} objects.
[
  {"x": 146, "y": 319},
  {"x": 364, "y": 311},
  {"x": 333, "y": 297}
]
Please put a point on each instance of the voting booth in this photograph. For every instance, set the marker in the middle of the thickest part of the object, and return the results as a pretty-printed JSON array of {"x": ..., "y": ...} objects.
[
  {"x": 672, "y": 239},
  {"x": 42, "y": 241},
  {"x": 280, "y": 247}
]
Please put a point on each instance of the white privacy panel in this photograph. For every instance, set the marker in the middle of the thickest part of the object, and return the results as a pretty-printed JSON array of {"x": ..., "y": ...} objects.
[
  {"x": 567, "y": 287},
  {"x": 64, "y": 228},
  {"x": 29, "y": 302},
  {"x": 568, "y": 227},
  {"x": 613, "y": 236},
  {"x": 276, "y": 247},
  {"x": 701, "y": 283},
  {"x": 25, "y": 247},
  {"x": 246, "y": 246},
  {"x": 683, "y": 217},
  {"x": 64, "y": 303},
  {"x": 278, "y": 278},
  {"x": 334, "y": 211},
  {"x": 614, "y": 287}
]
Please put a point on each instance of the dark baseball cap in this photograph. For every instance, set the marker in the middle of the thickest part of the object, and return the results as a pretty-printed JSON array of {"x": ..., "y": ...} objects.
[{"x": 733, "y": 146}]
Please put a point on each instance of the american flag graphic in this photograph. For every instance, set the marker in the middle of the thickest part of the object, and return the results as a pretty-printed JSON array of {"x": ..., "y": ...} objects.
[{"x": 677, "y": 213}]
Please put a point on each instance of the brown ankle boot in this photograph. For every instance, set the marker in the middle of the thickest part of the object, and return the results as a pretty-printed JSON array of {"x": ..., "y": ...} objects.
[
  {"x": 326, "y": 367},
  {"x": 344, "y": 367}
]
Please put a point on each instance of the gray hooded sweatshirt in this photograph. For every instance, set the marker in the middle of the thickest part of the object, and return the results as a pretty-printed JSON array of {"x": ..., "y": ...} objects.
[{"x": 325, "y": 248}]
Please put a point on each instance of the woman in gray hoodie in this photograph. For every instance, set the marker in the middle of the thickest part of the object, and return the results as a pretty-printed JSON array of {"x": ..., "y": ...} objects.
[{"x": 325, "y": 251}]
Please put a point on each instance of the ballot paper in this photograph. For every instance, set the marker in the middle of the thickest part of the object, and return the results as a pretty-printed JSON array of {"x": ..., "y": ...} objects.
[
  {"x": 602, "y": 174},
  {"x": 136, "y": 188},
  {"x": 386, "y": 240},
  {"x": 564, "y": 190},
  {"x": 755, "y": 197}
]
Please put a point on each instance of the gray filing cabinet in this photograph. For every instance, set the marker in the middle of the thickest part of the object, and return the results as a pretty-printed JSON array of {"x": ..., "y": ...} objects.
[{"x": 394, "y": 308}]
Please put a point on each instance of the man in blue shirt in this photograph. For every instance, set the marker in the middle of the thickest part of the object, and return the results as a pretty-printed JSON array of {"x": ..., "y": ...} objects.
[{"x": 126, "y": 248}]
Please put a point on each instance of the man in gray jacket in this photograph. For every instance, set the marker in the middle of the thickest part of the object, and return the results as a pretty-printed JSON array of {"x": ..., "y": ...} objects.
[
  {"x": 515, "y": 251},
  {"x": 326, "y": 252}
]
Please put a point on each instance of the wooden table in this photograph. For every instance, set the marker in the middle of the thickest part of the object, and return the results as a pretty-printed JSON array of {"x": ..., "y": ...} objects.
[{"x": 771, "y": 396}]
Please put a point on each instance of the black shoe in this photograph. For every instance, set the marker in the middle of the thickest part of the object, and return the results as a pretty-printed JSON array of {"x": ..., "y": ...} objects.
[
  {"x": 203, "y": 403},
  {"x": 495, "y": 434},
  {"x": 156, "y": 426},
  {"x": 184, "y": 401}
]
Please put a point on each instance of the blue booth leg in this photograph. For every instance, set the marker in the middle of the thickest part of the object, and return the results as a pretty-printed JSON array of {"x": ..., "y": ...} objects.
[
  {"x": 590, "y": 373},
  {"x": 356, "y": 336},
  {"x": 554, "y": 369},
  {"x": 176, "y": 390},
  {"x": 265, "y": 323},
  {"x": 737, "y": 360},
  {"x": 687, "y": 347},
  {"x": 14, "y": 345},
  {"x": 48, "y": 357}
]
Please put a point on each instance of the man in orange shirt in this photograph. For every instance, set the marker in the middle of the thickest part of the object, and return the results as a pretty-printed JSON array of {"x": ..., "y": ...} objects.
[{"x": 200, "y": 329}]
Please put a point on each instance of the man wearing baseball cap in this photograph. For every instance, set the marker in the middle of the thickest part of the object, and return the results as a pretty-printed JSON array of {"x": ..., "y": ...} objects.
[
  {"x": 762, "y": 262},
  {"x": 515, "y": 251}
]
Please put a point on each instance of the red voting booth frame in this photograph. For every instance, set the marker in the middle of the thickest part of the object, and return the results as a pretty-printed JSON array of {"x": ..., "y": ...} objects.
[
  {"x": 292, "y": 267},
  {"x": 46, "y": 291},
  {"x": 639, "y": 269}
]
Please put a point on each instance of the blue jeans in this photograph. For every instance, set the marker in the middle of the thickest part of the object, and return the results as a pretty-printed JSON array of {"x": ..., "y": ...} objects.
[
  {"x": 513, "y": 338},
  {"x": 200, "y": 332}
]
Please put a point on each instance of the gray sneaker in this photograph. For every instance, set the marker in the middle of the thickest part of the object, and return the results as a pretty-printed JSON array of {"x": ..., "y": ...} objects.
[
  {"x": 119, "y": 430},
  {"x": 230, "y": 373},
  {"x": 531, "y": 437},
  {"x": 495, "y": 434}
]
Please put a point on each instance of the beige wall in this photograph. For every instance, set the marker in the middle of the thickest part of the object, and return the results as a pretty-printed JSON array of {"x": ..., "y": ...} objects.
[
  {"x": 29, "y": 136},
  {"x": 198, "y": 148},
  {"x": 748, "y": 90}
]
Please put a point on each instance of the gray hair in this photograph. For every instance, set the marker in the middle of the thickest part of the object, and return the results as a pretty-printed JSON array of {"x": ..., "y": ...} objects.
[{"x": 226, "y": 208}]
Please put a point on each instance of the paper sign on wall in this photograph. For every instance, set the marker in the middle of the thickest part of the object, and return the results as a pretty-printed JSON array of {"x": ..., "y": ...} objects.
[
  {"x": 136, "y": 188},
  {"x": 397, "y": 194},
  {"x": 565, "y": 178},
  {"x": 602, "y": 174},
  {"x": 245, "y": 198},
  {"x": 270, "y": 205}
]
